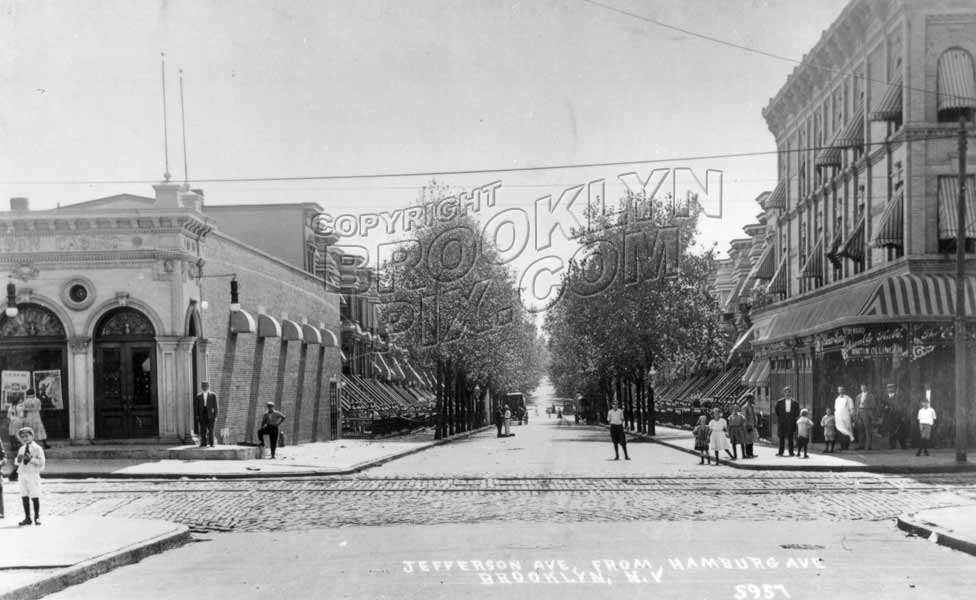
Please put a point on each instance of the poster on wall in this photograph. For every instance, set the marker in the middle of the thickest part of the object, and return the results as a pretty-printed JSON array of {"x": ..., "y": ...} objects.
[
  {"x": 13, "y": 386},
  {"x": 47, "y": 387}
]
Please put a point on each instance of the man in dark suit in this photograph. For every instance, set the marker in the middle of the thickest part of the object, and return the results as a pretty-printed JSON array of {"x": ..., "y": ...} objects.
[
  {"x": 205, "y": 413},
  {"x": 787, "y": 412},
  {"x": 895, "y": 420}
]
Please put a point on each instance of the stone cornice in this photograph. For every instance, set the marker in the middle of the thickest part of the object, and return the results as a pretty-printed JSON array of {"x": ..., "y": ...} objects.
[
  {"x": 838, "y": 44},
  {"x": 93, "y": 222},
  {"x": 66, "y": 258}
]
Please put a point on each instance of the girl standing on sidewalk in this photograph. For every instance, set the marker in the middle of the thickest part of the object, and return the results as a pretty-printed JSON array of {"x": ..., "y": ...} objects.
[
  {"x": 702, "y": 433},
  {"x": 718, "y": 440},
  {"x": 829, "y": 429}
]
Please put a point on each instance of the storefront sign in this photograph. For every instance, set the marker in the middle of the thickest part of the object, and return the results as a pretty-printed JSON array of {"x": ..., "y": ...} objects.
[
  {"x": 14, "y": 385},
  {"x": 12, "y": 244},
  {"x": 865, "y": 342}
]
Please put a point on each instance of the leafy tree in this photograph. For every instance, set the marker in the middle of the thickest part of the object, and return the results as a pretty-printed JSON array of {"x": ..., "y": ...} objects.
[{"x": 637, "y": 299}]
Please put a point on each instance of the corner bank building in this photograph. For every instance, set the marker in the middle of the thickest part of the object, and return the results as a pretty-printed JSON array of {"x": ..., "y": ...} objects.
[
  {"x": 124, "y": 305},
  {"x": 855, "y": 281}
]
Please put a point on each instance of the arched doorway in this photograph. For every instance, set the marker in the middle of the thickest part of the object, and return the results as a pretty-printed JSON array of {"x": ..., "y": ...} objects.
[
  {"x": 33, "y": 349},
  {"x": 125, "y": 376}
]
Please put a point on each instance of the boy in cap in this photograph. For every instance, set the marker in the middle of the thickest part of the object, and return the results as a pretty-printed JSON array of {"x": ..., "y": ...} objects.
[
  {"x": 30, "y": 462},
  {"x": 269, "y": 427}
]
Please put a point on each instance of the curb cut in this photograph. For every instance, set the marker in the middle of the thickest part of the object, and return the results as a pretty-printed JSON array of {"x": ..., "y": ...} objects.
[
  {"x": 100, "y": 565},
  {"x": 942, "y": 537},
  {"x": 310, "y": 472},
  {"x": 880, "y": 469}
]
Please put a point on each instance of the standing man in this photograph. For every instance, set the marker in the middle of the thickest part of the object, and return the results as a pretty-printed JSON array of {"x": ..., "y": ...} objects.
[
  {"x": 616, "y": 419},
  {"x": 205, "y": 412},
  {"x": 787, "y": 412},
  {"x": 752, "y": 428},
  {"x": 894, "y": 418},
  {"x": 844, "y": 417},
  {"x": 499, "y": 420},
  {"x": 864, "y": 419},
  {"x": 269, "y": 427}
]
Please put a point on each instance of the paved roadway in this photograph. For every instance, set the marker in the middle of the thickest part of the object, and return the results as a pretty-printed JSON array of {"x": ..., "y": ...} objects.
[{"x": 471, "y": 518}]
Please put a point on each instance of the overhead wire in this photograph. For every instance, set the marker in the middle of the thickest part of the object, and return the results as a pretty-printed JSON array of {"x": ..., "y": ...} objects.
[{"x": 482, "y": 171}]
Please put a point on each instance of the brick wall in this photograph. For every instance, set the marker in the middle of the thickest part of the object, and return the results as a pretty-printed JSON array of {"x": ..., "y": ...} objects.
[{"x": 245, "y": 370}]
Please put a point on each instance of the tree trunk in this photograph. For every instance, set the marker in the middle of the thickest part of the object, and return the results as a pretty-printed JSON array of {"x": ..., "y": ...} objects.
[{"x": 439, "y": 403}]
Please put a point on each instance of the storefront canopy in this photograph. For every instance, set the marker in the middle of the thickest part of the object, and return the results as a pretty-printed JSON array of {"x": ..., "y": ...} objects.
[{"x": 929, "y": 295}]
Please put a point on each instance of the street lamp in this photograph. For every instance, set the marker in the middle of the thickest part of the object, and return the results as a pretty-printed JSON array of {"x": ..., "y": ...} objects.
[
  {"x": 475, "y": 401},
  {"x": 11, "y": 310}
]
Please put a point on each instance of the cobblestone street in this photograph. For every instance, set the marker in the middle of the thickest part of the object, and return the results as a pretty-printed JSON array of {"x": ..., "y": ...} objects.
[{"x": 550, "y": 474}]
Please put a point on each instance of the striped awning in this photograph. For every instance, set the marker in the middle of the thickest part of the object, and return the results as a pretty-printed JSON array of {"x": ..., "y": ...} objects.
[
  {"x": 741, "y": 344},
  {"x": 778, "y": 284},
  {"x": 765, "y": 267},
  {"x": 889, "y": 108},
  {"x": 929, "y": 295},
  {"x": 829, "y": 156},
  {"x": 750, "y": 371},
  {"x": 853, "y": 246},
  {"x": 853, "y": 133},
  {"x": 891, "y": 229},
  {"x": 956, "y": 83},
  {"x": 759, "y": 375},
  {"x": 778, "y": 198},
  {"x": 948, "y": 205},
  {"x": 834, "y": 247},
  {"x": 814, "y": 265}
]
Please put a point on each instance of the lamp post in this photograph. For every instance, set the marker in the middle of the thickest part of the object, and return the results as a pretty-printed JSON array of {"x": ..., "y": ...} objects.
[
  {"x": 11, "y": 310},
  {"x": 651, "y": 412}
]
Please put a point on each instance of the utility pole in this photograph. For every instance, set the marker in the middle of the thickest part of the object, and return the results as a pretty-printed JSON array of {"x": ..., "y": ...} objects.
[{"x": 962, "y": 394}]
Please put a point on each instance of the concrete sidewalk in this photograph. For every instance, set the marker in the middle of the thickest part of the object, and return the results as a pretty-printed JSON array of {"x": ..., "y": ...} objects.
[
  {"x": 338, "y": 457},
  {"x": 67, "y": 550},
  {"x": 63, "y": 551},
  {"x": 872, "y": 461},
  {"x": 954, "y": 527}
]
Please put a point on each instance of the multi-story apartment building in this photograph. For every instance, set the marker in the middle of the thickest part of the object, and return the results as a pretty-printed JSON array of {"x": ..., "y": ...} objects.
[{"x": 856, "y": 275}]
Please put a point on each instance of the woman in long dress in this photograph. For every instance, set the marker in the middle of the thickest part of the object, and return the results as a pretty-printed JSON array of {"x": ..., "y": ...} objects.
[
  {"x": 32, "y": 418},
  {"x": 15, "y": 420},
  {"x": 718, "y": 440}
]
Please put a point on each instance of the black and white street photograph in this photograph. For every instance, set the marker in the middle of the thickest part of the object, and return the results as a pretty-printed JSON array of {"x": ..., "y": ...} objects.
[{"x": 487, "y": 299}]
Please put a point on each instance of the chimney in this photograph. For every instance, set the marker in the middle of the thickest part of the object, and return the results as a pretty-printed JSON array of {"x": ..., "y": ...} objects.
[
  {"x": 192, "y": 200},
  {"x": 167, "y": 195},
  {"x": 19, "y": 205}
]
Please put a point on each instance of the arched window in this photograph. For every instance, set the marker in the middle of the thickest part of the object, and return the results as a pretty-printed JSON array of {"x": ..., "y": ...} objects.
[
  {"x": 956, "y": 86},
  {"x": 33, "y": 345}
]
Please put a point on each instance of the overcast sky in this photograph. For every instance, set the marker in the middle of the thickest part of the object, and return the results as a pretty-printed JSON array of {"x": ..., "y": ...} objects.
[{"x": 297, "y": 89}]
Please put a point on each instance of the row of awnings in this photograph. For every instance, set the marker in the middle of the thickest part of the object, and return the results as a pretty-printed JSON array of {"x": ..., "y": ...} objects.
[
  {"x": 266, "y": 326},
  {"x": 710, "y": 386},
  {"x": 890, "y": 232},
  {"x": 913, "y": 296},
  {"x": 364, "y": 394},
  {"x": 955, "y": 87}
]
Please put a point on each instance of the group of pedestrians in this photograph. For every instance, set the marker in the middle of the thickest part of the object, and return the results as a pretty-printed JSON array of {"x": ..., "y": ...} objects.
[
  {"x": 852, "y": 419},
  {"x": 719, "y": 435}
]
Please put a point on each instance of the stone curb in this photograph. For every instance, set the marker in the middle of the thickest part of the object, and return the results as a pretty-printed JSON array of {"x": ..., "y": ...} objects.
[
  {"x": 307, "y": 472},
  {"x": 100, "y": 565},
  {"x": 786, "y": 466},
  {"x": 942, "y": 537}
]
